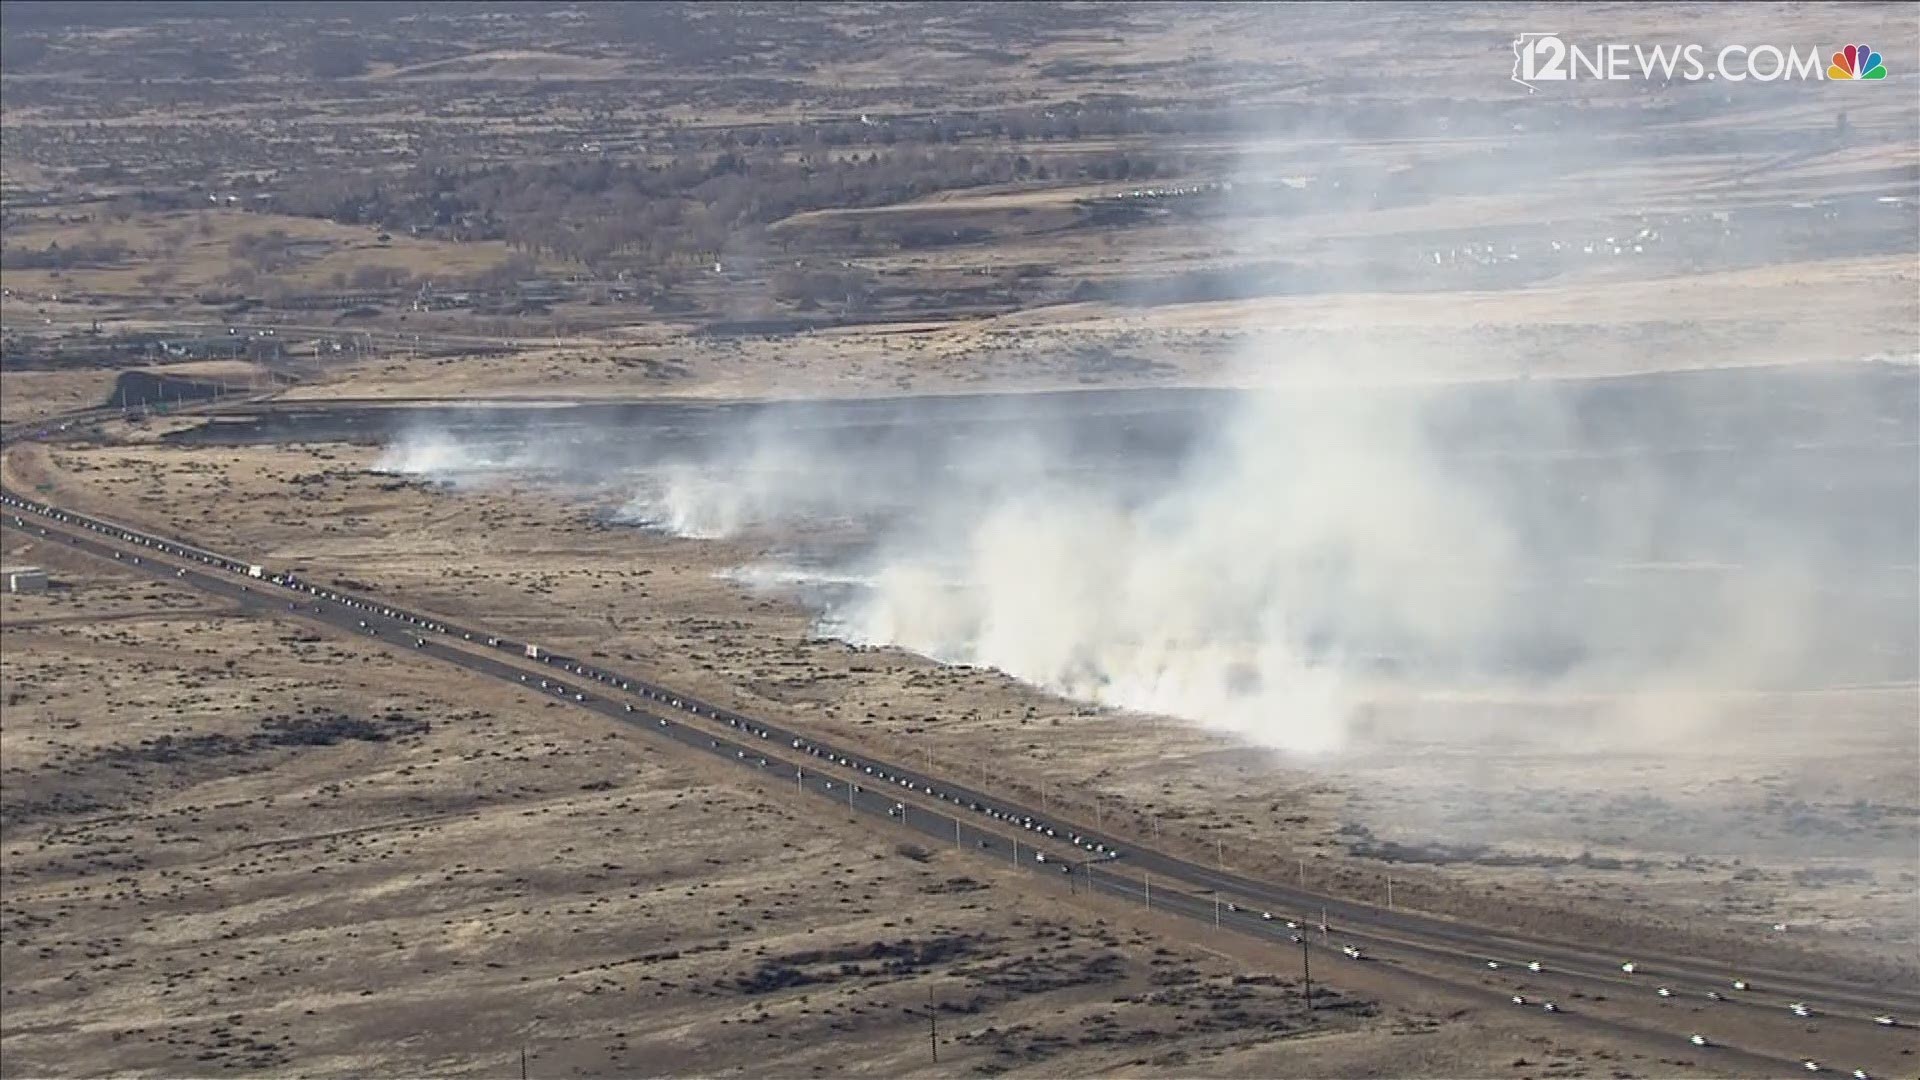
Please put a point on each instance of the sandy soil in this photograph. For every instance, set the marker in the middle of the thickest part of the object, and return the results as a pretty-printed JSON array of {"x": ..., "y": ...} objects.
[
  {"x": 188, "y": 250},
  {"x": 1596, "y": 327},
  {"x": 1627, "y": 851},
  {"x": 237, "y": 846},
  {"x": 28, "y": 395},
  {"x": 233, "y": 845}
]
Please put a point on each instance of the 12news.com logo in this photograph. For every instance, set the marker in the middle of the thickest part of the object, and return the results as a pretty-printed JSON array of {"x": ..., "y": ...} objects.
[{"x": 1549, "y": 57}]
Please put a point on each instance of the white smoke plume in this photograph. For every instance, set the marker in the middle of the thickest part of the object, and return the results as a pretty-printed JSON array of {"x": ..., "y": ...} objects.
[
  {"x": 1204, "y": 602},
  {"x": 1308, "y": 551},
  {"x": 1320, "y": 541},
  {"x": 440, "y": 456},
  {"x": 1318, "y": 548}
]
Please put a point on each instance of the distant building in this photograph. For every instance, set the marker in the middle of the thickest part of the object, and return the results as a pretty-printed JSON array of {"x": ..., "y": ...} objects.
[{"x": 25, "y": 579}]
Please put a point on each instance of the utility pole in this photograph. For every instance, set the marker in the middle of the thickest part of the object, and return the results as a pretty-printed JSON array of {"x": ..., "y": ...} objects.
[
  {"x": 1303, "y": 874},
  {"x": 933, "y": 1029},
  {"x": 1216, "y": 912},
  {"x": 956, "y": 832},
  {"x": 1306, "y": 973},
  {"x": 1149, "y": 880},
  {"x": 1389, "y": 892},
  {"x": 523, "y": 1063}
]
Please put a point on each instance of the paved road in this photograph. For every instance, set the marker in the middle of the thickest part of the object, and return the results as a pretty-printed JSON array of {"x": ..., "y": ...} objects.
[{"x": 1416, "y": 947}]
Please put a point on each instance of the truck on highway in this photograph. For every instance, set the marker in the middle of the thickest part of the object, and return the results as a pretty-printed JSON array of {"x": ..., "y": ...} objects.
[
  {"x": 256, "y": 571},
  {"x": 533, "y": 652}
]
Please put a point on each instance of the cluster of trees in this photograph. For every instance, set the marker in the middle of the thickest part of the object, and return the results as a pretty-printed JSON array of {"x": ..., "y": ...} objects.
[
  {"x": 266, "y": 252},
  {"x": 608, "y": 214},
  {"x": 91, "y": 253},
  {"x": 249, "y": 280},
  {"x": 808, "y": 288},
  {"x": 1108, "y": 116}
]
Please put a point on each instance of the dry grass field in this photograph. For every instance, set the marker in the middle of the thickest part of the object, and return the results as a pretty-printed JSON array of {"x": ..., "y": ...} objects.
[
  {"x": 537, "y": 564},
  {"x": 29, "y": 395},
  {"x": 237, "y": 846},
  {"x": 1771, "y": 315},
  {"x": 232, "y": 845},
  {"x": 189, "y": 251}
]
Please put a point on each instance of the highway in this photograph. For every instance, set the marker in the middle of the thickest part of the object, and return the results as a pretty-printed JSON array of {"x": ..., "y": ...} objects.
[{"x": 1840, "y": 1030}]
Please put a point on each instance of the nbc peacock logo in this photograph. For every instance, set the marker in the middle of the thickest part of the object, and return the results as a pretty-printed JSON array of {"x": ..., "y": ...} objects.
[{"x": 1856, "y": 62}]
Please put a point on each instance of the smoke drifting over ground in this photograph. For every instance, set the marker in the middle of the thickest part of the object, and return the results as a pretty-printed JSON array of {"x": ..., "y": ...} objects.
[
  {"x": 1268, "y": 563},
  {"x": 1236, "y": 595},
  {"x": 1271, "y": 561},
  {"x": 447, "y": 458}
]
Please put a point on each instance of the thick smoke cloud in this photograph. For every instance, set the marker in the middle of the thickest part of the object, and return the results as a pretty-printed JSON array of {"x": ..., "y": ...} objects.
[
  {"x": 1228, "y": 597},
  {"x": 1273, "y": 563}
]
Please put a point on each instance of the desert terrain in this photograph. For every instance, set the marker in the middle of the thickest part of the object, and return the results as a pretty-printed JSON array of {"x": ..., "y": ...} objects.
[
  {"x": 235, "y": 846},
  {"x": 1642, "y": 836},
  {"x": 267, "y": 272}
]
